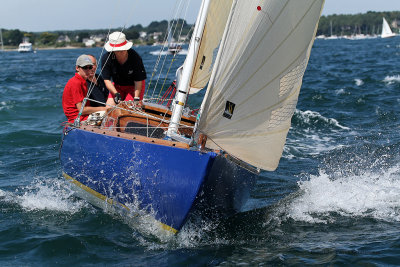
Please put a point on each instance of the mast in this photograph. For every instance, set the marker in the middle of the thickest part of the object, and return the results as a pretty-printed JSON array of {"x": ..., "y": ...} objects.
[
  {"x": 184, "y": 84},
  {"x": 1, "y": 40}
]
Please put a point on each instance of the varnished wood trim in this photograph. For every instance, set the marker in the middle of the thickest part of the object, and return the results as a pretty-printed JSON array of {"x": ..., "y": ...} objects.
[
  {"x": 135, "y": 137},
  {"x": 169, "y": 112}
]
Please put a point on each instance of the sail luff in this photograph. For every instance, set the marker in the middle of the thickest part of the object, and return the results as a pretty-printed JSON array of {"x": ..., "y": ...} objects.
[
  {"x": 217, "y": 61},
  {"x": 214, "y": 28}
]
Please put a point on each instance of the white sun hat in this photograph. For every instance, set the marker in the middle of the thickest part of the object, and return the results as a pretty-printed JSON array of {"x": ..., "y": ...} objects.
[{"x": 117, "y": 42}]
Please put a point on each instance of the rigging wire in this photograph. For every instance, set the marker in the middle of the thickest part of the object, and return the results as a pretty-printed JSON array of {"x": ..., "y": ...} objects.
[
  {"x": 166, "y": 55},
  {"x": 178, "y": 12},
  {"x": 175, "y": 21},
  {"x": 159, "y": 58},
  {"x": 173, "y": 59},
  {"x": 90, "y": 89}
]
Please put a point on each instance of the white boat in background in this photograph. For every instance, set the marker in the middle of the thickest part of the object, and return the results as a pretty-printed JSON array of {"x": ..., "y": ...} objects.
[
  {"x": 173, "y": 48},
  {"x": 386, "y": 31},
  {"x": 25, "y": 47},
  {"x": 360, "y": 36}
]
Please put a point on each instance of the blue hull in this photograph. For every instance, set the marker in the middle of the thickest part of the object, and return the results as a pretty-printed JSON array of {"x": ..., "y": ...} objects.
[{"x": 163, "y": 181}]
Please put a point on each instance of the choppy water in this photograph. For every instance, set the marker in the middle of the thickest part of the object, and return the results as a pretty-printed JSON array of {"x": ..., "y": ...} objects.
[{"x": 335, "y": 198}]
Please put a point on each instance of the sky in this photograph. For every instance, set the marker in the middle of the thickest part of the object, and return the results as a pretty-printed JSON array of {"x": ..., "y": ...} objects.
[{"x": 51, "y": 15}]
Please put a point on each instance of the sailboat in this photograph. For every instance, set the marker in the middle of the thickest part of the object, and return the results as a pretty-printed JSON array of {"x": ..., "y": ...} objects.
[
  {"x": 332, "y": 36},
  {"x": 163, "y": 163},
  {"x": 386, "y": 31}
]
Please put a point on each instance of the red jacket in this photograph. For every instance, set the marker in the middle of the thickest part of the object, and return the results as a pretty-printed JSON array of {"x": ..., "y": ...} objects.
[{"x": 74, "y": 92}]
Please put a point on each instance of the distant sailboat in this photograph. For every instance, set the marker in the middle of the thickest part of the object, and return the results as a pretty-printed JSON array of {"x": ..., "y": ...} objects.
[
  {"x": 332, "y": 36},
  {"x": 386, "y": 31}
]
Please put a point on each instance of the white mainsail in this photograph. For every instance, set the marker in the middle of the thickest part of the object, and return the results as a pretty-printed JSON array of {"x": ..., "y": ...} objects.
[
  {"x": 386, "y": 31},
  {"x": 214, "y": 27},
  {"x": 256, "y": 80}
]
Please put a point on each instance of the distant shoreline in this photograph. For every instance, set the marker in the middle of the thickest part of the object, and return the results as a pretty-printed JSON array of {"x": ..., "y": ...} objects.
[
  {"x": 44, "y": 48},
  {"x": 55, "y": 48}
]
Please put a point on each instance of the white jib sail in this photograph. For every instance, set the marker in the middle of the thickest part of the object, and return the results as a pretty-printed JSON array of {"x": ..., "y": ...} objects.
[
  {"x": 217, "y": 16},
  {"x": 386, "y": 31},
  {"x": 255, "y": 84}
]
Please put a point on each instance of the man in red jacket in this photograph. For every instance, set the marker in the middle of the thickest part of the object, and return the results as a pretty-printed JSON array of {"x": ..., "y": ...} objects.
[{"x": 76, "y": 90}]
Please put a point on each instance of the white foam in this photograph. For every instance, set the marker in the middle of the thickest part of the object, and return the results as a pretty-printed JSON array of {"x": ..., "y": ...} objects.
[
  {"x": 368, "y": 195},
  {"x": 2, "y": 193},
  {"x": 392, "y": 79},
  {"x": 193, "y": 234},
  {"x": 308, "y": 115},
  {"x": 340, "y": 91},
  {"x": 309, "y": 139},
  {"x": 5, "y": 105},
  {"x": 359, "y": 82},
  {"x": 44, "y": 195},
  {"x": 316, "y": 146}
]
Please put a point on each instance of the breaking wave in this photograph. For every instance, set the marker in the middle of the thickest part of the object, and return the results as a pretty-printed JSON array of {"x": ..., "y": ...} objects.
[
  {"x": 392, "y": 79},
  {"x": 50, "y": 195},
  {"x": 312, "y": 117},
  {"x": 306, "y": 136},
  {"x": 372, "y": 195}
]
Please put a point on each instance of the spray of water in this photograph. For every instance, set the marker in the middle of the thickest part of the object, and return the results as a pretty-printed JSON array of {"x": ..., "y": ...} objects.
[
  {"x": 44, "y": 194},
  {"x": 371, "y": 194}
]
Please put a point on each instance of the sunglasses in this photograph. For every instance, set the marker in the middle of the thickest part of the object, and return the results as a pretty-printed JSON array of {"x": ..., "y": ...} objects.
[{"x": 88, "y": 67}]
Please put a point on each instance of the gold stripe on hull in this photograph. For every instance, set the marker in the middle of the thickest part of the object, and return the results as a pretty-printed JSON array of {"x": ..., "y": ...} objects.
[{"x": 110, "y": 201}]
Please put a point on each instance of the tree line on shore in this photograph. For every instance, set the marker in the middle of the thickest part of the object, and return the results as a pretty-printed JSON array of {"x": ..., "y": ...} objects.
[
  {"x": 367, "y": 23},
  {"x": 154, "y": 32}
]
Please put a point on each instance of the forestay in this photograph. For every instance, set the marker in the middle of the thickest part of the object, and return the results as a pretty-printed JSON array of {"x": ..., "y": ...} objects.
[
  {"x": 256, "y": 80},
  {"x": 214, "y": 27}
]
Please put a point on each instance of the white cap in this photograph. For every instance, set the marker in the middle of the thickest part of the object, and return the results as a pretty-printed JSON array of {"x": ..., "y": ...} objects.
[{"x": 83, "y": 60}]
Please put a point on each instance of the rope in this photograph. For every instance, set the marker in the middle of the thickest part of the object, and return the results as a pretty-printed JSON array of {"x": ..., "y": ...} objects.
[{"x": 158, "y": 59}]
